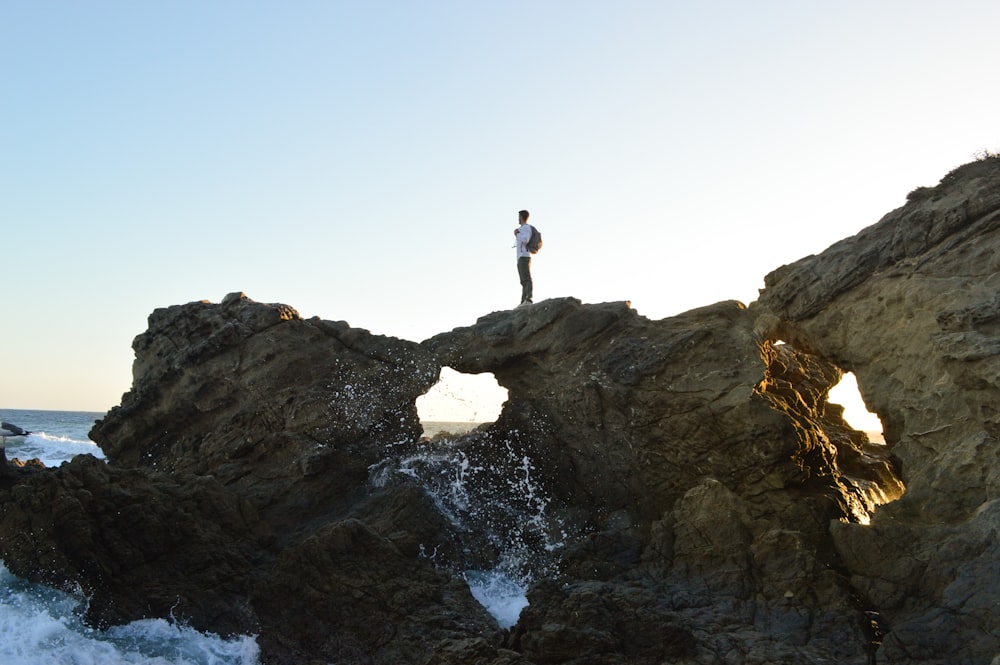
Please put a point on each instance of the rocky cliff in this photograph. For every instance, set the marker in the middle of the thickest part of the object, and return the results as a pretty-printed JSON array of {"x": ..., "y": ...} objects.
[
  {"x": 671, "y": 491},
  {"x": 911, "y": 305}
]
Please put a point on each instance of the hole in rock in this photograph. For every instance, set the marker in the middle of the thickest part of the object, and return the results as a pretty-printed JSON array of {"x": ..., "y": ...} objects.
[
  {"x": 459, "y": 402},
  {"x": 467, "y": 488},
  {"x": 856, "y": 414},
  {"x": 866, "y": 475}
]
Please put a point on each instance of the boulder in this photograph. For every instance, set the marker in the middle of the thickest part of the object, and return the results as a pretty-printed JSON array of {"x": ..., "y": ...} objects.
[
  {"x": 348, "y": 594},
  {"x": 136, "y": 543},
  {"x": 288, "y": 413}
]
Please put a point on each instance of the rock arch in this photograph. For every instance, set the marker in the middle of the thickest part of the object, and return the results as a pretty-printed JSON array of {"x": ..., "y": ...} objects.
[{"x": 459, "y": 402}]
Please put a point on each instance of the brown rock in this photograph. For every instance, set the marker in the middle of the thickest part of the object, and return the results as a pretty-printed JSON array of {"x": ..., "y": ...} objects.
[
  {"x": 288, "y": 413},
  {"x": 910, "y": 305}
]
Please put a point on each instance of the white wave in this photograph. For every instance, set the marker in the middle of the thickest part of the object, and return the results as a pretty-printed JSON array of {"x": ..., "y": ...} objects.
[
  {"x": 42, "y": 626},
  {"x": 502, "y": 596},
  {"x": 52, "y": 450}
]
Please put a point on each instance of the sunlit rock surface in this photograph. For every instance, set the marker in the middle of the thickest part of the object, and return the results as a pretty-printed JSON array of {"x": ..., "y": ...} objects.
[
  {"x": 911, "y": 305},
  {"x": 666, "y": 491}
]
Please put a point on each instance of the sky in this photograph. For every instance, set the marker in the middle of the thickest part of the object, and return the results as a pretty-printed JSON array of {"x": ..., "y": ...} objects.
[{"x": 365, "y": 161}]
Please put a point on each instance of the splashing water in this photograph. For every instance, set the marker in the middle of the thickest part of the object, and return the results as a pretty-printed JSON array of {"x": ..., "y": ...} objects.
[
  {"x": 487, "y": 487},
  {"x": 42, "y": 626},
  {"x": 502, "y": 597}
]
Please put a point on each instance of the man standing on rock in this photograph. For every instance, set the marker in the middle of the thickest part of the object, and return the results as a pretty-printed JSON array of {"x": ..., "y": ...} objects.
[{"x": 523, "y": 235}]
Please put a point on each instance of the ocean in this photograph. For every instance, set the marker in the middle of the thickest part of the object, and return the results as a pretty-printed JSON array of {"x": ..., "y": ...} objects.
[
  {"x": 42, "y": 626},
  {"x": 56, "y": 436}
]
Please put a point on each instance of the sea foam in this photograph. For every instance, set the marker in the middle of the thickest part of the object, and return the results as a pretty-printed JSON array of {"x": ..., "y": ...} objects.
[{"x": 43, "y": 626}]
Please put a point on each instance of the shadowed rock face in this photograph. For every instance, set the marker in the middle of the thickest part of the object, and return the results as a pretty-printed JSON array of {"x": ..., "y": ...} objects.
[
  {"x": 288, "y": 412},
  {"x": 681, "y": 489}
]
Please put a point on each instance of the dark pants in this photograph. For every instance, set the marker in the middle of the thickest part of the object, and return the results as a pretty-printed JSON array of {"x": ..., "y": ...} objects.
[{"x": 524, "y": 271}]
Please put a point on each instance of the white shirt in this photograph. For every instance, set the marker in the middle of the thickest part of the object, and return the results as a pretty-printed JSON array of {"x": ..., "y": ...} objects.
[{"x": 523, "y": 236}]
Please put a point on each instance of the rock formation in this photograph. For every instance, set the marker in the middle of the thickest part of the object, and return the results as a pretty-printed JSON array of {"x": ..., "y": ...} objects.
[
  {"x": 672, "y": 491},
  {"x": 911, "y": 305}
]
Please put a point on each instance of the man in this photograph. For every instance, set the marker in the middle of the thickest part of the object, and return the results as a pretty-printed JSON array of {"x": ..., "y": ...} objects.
[{"x": 523, "y": 234}]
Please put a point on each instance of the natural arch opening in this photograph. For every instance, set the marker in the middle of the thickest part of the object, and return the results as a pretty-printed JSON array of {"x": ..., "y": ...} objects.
[
  {"x": 458, "y": 403},
  {"x": 479, "y": 494},
  {"x": 840, "y": 454},
  {"x": 857, "y": 415}
]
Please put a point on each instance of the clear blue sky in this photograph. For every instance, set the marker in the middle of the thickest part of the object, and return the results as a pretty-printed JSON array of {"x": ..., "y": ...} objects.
[{"x": 364, "y": 161}]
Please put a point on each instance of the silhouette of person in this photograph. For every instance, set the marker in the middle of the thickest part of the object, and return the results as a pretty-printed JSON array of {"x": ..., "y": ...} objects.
[{"x": 523, "y": 234}]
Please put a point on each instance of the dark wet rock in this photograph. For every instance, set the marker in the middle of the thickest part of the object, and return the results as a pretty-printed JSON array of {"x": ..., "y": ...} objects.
[
  {"x": 351, "y": 595},
  {"x": 138, "y": 544}
]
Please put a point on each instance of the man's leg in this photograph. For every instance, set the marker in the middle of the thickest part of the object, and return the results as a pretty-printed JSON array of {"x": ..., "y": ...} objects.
[{"x": 524, "y": 271}]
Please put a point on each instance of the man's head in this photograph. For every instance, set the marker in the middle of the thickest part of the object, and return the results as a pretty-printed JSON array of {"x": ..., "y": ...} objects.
[{"x": 522, "y": 216}]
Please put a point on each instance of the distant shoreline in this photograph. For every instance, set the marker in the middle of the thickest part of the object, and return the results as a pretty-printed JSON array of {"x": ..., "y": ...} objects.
[
  {"x": 434, "y": 427},
  {"x": 87, "y": 411}
]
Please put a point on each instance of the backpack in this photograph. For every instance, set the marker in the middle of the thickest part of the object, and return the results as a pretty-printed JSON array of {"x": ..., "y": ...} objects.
[{"x": 535, "y": 242}]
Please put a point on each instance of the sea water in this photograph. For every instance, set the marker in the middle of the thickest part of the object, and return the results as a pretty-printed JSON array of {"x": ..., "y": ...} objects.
[
  {"x": 43, "y": 626},
  {"x": 56, "y": 436},
  {"x": 500, "y": 594}
]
